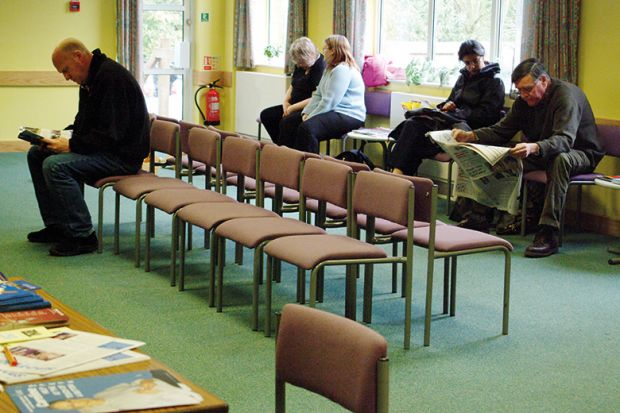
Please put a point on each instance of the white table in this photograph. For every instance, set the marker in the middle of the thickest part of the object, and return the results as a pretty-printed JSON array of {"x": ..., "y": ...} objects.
[
  {"x": 607, "y": 184},
  {"x": 371, "y": 135}
]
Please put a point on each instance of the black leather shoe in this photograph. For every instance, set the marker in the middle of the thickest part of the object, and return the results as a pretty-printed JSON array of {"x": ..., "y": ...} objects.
[
  {"x": 546, "y": 242},
  {"x": 475, "y": 222},
  {"x": 47, "y": 234},
  {"x": 75, "y": 246}
]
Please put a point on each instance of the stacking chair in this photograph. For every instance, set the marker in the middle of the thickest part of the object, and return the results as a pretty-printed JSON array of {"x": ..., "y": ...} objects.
[
  {"x": 164, "y": 136},
  {"x": 240, "y": 156},
  {"x": 203, "y": 146},
  {"x": 184, "y": 129},
  {"x": 102, "y": 184},
  {"x": 376, "y": 195},
  {"x": 448, "y": 242},
  {"x": 332, "y": 356},
  {"x": 282, "y": 167}
]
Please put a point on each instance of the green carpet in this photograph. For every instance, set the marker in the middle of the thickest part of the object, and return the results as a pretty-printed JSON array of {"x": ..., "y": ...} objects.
[{"x": 561, "y": 354}]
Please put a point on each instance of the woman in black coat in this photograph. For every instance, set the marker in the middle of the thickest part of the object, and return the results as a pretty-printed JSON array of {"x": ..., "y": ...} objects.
[
  {"x": 476, "y": 100},
  {"x": 309, "y": 67}
]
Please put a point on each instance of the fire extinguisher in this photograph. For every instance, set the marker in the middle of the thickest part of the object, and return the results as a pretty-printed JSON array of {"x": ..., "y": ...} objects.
[{"x": 211, "y": 115}]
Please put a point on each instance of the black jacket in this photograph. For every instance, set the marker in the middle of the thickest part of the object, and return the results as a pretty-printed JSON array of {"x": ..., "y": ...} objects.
[
  {"x": 112, "y": 115},
  {"x": 479, "y": 98}
]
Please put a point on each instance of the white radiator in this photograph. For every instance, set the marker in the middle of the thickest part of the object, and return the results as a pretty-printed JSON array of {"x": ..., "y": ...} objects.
[
  {"x": 255, "y": 92},
  {"x": 397, "y": 114}
]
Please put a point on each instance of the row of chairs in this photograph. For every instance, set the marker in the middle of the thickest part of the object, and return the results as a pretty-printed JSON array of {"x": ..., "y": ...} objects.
[{"x": 389, "y": 208}]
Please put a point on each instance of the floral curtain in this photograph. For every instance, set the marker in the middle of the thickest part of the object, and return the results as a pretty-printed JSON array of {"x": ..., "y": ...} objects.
[
  {"x": 243, "y": 35},
  {"x": 297, "y": 26},
  {"x": 128, "y": 36},
  {"x": 551, "y": 34},
  {"x": 350, "y": 21}
]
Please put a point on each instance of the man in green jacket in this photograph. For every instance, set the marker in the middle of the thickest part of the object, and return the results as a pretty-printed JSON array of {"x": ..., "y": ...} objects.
[{"x": 560, "y": 137}]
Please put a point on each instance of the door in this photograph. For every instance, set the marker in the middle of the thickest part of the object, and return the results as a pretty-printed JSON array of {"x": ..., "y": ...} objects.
[{"x": 166, "y": 57}]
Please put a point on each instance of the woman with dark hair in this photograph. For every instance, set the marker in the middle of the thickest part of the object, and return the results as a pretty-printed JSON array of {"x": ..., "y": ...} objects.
[
  {"x": 476, "y": 100},
  {"x": 337, "y": 105},
  {"x": 309, "y": 67}
]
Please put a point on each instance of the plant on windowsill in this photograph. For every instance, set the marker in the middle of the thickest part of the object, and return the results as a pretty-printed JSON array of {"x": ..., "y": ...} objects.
[
  {"x": 272, "y": 51},
  {"x": 420, "y": 71}
]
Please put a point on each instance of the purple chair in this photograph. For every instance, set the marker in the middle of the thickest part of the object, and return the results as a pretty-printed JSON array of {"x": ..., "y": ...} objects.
[
  {"x": 332, "y": 356},
  {"x": 610, "y": 139}
]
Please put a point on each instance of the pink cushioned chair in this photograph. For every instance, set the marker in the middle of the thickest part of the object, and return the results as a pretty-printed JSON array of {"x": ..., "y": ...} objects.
[{"x": 332, "y": 356}]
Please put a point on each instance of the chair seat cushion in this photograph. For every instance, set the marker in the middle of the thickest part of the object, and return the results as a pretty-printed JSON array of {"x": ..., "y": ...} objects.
[
  {"x": 449, "y": 238},
  {"x": 540, "y": 176},
  {"x": 252, "y": 231},
  {"x": 209, "y": 215},
  {"x": 170, "y": 200},
  {"x": 135, "y": 187},
  {"x": 332, "y": 211},
  {"x": 111, "y": 179},
  {"x": 306, "y": 251},
  {"x": 289, "y": 196}
]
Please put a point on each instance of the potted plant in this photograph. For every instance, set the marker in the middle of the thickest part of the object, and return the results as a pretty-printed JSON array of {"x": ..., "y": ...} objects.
[{"x": 272, "y": 51}]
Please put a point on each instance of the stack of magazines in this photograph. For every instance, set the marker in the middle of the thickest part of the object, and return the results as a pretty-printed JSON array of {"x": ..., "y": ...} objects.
[{"x": 14, "y": 298}]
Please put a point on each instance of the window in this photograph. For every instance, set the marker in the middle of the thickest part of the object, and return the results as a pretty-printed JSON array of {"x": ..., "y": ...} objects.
[
  {"x": 432, "y": 30},
  {"x": 268, "y": 22}
]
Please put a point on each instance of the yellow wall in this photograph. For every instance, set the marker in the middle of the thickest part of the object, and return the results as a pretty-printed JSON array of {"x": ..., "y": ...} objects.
[{"x": 29, "y": 31}]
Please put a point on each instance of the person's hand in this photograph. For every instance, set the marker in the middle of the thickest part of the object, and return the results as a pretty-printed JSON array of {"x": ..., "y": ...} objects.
[
  {"x": 304, "y": 117},
  {"x": 285, "y": 107},
  {"x": 460, "y": 135},
  {"x": 57, "y": 145},
  {"x": 523, "y": 150},
  {"x": 449, "y": 106}
]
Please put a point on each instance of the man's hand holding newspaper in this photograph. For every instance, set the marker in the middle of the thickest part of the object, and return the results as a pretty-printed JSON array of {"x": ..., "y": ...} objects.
[{"x": 487, "y": 173}]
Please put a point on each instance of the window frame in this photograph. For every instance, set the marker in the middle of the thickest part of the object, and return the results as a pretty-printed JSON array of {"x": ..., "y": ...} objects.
[
  {"x": 258, "y": 55},
  {"x": 497, "y": 7}
]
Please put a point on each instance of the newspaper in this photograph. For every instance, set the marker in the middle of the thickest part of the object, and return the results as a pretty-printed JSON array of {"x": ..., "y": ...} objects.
[
  {"x": 486, "y": 173},
  {"x": 67, "y": 348}
]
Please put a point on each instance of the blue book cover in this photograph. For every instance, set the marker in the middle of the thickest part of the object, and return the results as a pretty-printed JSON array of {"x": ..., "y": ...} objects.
[
  {"x": 102, "y": 394},
  {"x": 11, "y": 292},
  {"x": 25, "y": 306}
]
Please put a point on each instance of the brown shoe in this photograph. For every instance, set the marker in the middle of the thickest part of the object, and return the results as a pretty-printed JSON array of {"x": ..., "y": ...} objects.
[
  {"x": 546, "y": 242},
  {"x": 475, "y": 222}
]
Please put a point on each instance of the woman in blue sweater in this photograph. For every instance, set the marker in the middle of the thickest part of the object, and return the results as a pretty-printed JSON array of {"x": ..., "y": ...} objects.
[{"x": 337, "y": 105}]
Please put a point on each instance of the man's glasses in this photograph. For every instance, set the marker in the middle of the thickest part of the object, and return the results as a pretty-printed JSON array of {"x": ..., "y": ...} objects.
[{"x": 526, "y": 90}]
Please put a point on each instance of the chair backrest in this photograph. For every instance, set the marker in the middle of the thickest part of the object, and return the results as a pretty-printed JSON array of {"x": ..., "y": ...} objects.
[
  {"x": 610, "y": 138},
  {"x": 280, "y": 165},
  {"x": 382, "y": 196},
  {"x": 164, "y": 136},
  {"x": 423, "y": 194},
  {"x": 223, "y": 133},
  {"x": 166, "y": 118},
  {"x": 203, "y": 146},
  {"x": 239, "y": 155},
  {"x": 184, "y": 128},
  {"x": 326, "y": 181},
  {"x": 356, "y": 166},
  {"x": 332, "y": 356}
]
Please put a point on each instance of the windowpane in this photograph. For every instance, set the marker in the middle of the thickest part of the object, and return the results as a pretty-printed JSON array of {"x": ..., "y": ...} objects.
[
  {"x": 510, "y": 39},
  {"x": 404, "y": 30},
  {"x": 162, "y": 30},
  {"x": 457, "y": 21},
  {"x": 269, "y": 19},
  {"x": 164, "y": 94},
  {"x": 163, "y": 2}
]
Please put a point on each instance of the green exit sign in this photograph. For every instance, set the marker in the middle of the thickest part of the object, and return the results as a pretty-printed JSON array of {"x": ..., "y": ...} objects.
[{"x": 204, "y": 17}]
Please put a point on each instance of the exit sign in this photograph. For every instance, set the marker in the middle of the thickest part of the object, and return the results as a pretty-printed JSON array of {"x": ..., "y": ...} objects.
[{"x": 204, "y": 17}]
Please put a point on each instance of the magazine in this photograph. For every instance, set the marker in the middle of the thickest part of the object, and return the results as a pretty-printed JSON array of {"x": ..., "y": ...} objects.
[
  {"x": 24, "y": 334},
  {"x": 13, "y": 375},
  {"x": 486, "y": 174},
  {"x": 47, "y": 317},
  {"x": 101, "y": 394},
  {"x": 34, "y": 135},
  {"x": 66, "y": 348}
]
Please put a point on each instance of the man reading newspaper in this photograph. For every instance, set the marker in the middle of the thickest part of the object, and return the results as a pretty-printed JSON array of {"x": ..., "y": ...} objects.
[{"x": 560, "y": 138}]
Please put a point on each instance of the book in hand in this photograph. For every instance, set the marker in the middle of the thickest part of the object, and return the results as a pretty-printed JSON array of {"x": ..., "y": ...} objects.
[
  {"x": 35, "y": 135},
  {"x": 614, "y": 179},
  {"x": 47, "y": 317},
  {"x": 147, "y": 389}
]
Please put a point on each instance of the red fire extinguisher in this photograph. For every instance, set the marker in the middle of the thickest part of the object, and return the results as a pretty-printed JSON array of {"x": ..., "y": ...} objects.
[{"x": 211, "y": 115}]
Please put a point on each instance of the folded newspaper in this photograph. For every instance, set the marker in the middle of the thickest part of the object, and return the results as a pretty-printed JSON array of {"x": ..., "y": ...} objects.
[{"x": 486, "y": 174}]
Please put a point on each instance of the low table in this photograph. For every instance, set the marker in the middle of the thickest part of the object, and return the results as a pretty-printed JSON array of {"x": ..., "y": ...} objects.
[
  {"x": 372, "y": 135},
  {"x": 77, "y": 321},
  {"x": 607, "y": 184}
]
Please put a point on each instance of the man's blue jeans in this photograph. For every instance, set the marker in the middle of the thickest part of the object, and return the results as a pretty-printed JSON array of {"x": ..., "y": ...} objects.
[{"x": 59, "y": 180}]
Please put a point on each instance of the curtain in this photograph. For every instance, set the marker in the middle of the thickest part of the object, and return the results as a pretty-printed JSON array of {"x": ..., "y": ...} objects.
[
  {"x": 551, "y": 34},
  {"x": 350, "y": 21},
  {"x": 128, "y": 36},
  {"x": 243, "y": 35},
  {"x": 296, "y": 27}
]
